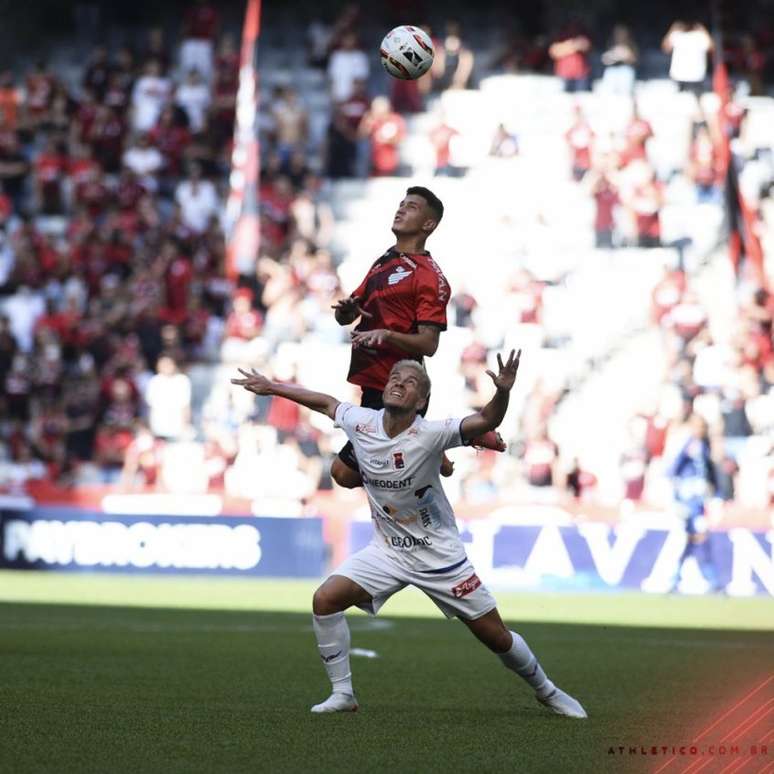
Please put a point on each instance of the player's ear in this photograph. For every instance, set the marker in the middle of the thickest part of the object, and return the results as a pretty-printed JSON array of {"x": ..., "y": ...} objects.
[{"x": 429, "y": 225}]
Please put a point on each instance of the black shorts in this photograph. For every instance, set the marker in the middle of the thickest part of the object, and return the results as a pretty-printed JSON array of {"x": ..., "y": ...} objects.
[{"x": 372, "y": 399}]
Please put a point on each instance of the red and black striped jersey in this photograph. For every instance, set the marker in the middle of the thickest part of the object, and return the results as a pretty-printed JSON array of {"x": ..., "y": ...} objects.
[{"x": 401, "y": 291}]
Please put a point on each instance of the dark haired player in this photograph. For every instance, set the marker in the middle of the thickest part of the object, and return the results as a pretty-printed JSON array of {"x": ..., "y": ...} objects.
[
  {"x": 401, "y": 303},
  {"x": 415, "y": 540}
]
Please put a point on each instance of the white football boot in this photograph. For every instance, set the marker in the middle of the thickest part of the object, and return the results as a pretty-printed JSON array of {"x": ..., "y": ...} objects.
[
  {"x": 563, "y": 704},
  {"x": 338, "y": 702}
]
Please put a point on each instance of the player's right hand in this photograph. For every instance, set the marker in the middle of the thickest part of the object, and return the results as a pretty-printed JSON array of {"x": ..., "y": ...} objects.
[
  {"x": 253, "y": 382},
  {"x": 350, "y": 308},
  {"x": 507, "y": 371}
]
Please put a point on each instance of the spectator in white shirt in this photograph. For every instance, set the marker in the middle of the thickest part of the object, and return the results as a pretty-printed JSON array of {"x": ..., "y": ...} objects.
[
  {"x": 193, "y": 95},
  {"x": 151, "y": 93},
  {"x": 168, "y": 396},
  {"x": 347, "y": 64},
  {"x": 689, "y": 44},
  {"x": 198, "y": 200},
  {"x": 23, "y": 309},
  {"x": 145, "y": 160}
]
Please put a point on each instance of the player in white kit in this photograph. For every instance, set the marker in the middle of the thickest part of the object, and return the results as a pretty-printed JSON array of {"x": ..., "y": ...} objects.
[{"x": 415, "y": 540}]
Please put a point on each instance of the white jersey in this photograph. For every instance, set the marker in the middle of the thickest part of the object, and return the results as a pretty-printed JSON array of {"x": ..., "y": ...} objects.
[{"x": 413, "y": 519}]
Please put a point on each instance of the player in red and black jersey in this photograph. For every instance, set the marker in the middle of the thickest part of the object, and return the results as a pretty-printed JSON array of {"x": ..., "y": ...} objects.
[{"x": 401, "y": 303}]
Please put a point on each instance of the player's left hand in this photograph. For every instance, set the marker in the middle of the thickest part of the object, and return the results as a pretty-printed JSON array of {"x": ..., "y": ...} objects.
[
  {"x": 507, "y": 373},
  {"x": 374, "y": 339},
  {"x": 253, "y": 382}
]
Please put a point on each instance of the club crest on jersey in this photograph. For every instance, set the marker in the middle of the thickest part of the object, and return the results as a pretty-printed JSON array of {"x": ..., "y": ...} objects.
[
  {"x": 397, "y": 460},
  {"x": 399, "y": 274}
]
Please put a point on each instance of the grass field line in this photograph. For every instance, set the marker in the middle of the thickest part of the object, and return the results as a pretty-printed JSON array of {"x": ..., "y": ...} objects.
[{"x": 357, "y": 625}]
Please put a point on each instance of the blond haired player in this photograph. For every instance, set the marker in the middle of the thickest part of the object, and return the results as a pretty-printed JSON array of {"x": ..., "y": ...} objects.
[{"x": 415, "y": 540}]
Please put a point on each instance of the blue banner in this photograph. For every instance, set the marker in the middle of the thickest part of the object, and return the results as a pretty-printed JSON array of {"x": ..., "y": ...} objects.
[
  {"x": 77, "y": 540},
  {"x": 592, "y": 556}
]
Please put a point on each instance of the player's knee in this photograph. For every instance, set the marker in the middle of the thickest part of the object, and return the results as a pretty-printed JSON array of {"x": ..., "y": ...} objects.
[
  {"x": 322, "y": 604},
  {"x": 502, "y": 641}
]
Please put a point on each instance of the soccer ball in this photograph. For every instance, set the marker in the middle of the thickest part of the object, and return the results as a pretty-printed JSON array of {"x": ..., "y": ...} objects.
[{"x": 407, "y": 52}]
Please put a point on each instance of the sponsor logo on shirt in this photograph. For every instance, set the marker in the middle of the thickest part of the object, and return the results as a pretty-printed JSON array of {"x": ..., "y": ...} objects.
[
  {"x": 378, "y": 462},
  {"x": 409, "y": 541},
  {"x": 399, "y": 274},
  {"x": 365, "y": 429},
  {"x": 443, "y": 286},
  {"x": 388, "y": 483},
  {"x": 466, "y": 587}
]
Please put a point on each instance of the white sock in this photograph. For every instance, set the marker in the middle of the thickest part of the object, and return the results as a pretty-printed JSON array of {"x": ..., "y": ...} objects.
[
  {"x": 332, "y": 634},
  {"x": 521, "y": 660}
]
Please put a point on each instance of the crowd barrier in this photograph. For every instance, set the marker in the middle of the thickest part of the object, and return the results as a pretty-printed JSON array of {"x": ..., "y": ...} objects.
[
  {"x": 77, "y": 540},
  {"x": 530, "y": 552},
  {"x": 595, "y": 556}
]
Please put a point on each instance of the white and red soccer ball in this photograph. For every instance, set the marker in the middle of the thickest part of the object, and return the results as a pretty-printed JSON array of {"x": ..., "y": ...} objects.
[{"x": 406, "y": 52}]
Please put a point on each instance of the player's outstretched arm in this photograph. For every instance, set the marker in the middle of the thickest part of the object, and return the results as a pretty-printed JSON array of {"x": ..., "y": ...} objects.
[
  {"x": 252, "y": 381},
  {"x": 493, "y": 413}
]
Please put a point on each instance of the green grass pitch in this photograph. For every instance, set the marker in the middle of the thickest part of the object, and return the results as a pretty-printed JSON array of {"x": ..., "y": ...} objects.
[{"x": 144, "y": 674}]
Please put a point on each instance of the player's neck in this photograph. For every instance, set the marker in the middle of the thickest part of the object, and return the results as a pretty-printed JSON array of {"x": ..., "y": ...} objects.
[
  {"x": 410, "y": 244},
  {"x": 395, "y": 422}
]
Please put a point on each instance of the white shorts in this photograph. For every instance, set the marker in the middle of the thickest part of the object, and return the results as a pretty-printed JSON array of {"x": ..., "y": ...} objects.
[{"x": 457, "y": 592}]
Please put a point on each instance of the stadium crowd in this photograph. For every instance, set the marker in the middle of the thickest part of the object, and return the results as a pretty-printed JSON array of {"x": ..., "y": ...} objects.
[{"x": 113, "y": 281}]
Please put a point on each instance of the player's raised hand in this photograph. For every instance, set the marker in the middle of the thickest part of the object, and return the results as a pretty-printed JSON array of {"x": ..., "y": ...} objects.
[
  {"x": 507, "y": 373},
  {"x": 369, "y": 339},
  {"x": 253, "y": 382},
  {"x": 350, "y": 308}
]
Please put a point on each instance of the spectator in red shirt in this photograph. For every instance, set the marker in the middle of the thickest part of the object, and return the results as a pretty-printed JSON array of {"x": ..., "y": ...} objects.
[
  {"x": 200, "y": 28},
  {"x": 666, "y": 294},
  {"x": 243, "y": 327},
  {"x": 541, "y": 456},
  {"x": 605, "y": 200},
  {"x": 40, "y": 91},
  {"x": 141, "y": 459},
  {"x": 386, "y": 130},
  {"x": 106, "y": 137},
  {"x": 441, "y": 137},
  {"x": 570, "y": 54},
  {"x": 50, "y": 167},
  {"x": 82, "y": 165},
  {"x": 172, "y": 138},
  {"x": 645, "y": 202},
  {"x": 6, "y": 209},
  {"x": 637, "y": 134},
  {"x": 10, "y": 101},
  {"x": 92, "y": 192},
  {"x": 580, "y": 138},
  {"x": 225, "y": 90}
]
